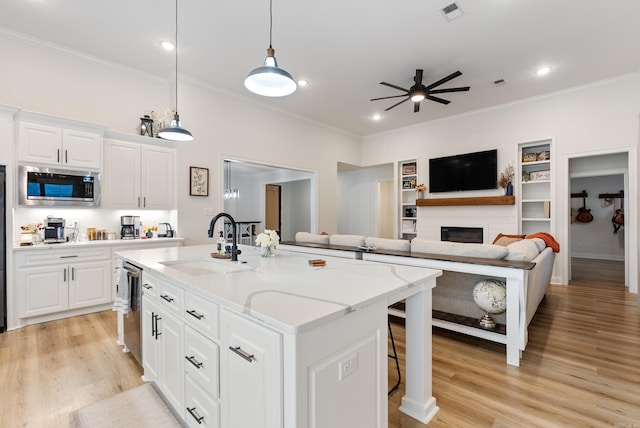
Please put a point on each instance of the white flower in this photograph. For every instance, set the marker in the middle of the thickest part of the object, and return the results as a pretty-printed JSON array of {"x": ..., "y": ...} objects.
[{"x": 266, "y": 238}]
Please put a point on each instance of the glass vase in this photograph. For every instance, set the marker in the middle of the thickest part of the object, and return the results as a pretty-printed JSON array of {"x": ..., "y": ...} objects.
[{"x": 269, "y": 251}]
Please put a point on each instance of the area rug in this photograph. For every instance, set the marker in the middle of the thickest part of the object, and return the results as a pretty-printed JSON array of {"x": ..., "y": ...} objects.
[{"x": 140, "y": 407}]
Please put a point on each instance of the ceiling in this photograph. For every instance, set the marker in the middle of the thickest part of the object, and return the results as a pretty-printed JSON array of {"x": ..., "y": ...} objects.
[{"x": 345, "y": 48}]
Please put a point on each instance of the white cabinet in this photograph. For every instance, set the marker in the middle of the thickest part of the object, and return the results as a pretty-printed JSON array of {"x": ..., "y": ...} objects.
[
  {"x": 60, "y": 280},
  {"x": 52, "y": 145},
  {"x": 408, "y": 210},
  {"x": 251, "y": 373},
  {"x": 536, "y": 188},
  {"x": 138, "y": 176}
]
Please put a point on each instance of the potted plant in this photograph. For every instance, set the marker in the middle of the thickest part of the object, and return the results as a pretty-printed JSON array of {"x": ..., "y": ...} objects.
[
  {"x": 268, "y": 241},
  {"x": 505, "y": 180}
]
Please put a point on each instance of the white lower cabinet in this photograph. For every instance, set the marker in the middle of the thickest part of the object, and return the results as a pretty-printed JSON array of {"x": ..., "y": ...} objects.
[
  {"x": 201, "y": 409},
  {"x": 61, "y": 280},
  {"x": 251, "y": 374}
]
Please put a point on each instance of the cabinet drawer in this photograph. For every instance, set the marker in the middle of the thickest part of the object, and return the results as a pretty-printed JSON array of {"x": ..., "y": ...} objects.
[
  {"x": 150, "y": 285},
  {"x": 202, "y": 362},
  {"x": 202, "y": 315},
  {"x": 200, "y": 410},
  {"x": 48, "y": 256},
  {"x": 171, "y": 298}
]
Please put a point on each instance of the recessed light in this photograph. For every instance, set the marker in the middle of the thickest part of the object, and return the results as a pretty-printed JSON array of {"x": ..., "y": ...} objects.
[
  {"x": 168, "y": 46},
  {"x": 543, "y": 70},
  {"x": 376, "y": 117},
  {"x": 303, "y": 82}
]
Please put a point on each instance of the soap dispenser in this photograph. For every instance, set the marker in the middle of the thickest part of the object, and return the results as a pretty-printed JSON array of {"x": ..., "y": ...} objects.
[{"x": 221, "y": 243}]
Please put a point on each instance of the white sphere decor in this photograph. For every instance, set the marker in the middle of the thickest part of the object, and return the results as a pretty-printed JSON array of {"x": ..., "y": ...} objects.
[{"x": 491, "y": 296}]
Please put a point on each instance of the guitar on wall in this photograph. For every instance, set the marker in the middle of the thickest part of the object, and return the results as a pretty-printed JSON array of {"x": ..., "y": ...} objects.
[
  {"x": 618, "y": 216},
  {"x": 584, "y": 214}
]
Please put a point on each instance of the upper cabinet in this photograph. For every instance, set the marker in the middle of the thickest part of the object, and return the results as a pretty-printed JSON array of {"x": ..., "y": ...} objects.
[
  {"x": 138, "y": 176},
  {"x": 59, "y": 142},
  {"x": 536, "y": 187}
]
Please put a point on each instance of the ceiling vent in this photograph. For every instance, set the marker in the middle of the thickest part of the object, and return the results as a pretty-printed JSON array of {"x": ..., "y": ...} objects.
[
  {"x": 499, "y": 82},
  {"x": 451, "y": 11}
]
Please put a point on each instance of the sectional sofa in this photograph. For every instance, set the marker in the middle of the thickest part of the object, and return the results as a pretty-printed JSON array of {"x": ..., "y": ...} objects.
[{"x": 524, "y": 265}]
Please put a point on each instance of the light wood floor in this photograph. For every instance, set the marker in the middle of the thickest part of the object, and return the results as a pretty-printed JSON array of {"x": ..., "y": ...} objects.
[{"x": 581, "y": 368}]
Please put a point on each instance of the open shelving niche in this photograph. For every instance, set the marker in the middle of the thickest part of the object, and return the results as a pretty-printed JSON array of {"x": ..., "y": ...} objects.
[
  {"x": 408, "y": 215},
  {"x": 536, "y": 187}
]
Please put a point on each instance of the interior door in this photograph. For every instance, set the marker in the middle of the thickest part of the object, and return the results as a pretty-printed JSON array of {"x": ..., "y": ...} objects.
[{"x": 272, "y": 207}]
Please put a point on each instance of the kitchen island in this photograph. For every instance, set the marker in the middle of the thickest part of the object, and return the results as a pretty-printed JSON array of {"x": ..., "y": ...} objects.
[{"x": 275, "y": 342}]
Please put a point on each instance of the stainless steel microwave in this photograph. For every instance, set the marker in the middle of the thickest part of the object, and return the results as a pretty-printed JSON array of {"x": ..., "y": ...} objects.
[{"x": 58, "y": 187}]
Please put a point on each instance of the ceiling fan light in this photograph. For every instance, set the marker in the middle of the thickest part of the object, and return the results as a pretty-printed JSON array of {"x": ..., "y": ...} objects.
[
  {"x": 270, "y": 80},
  {"x": 175, "y": 132},
  {"x": 417, "y": 97}
]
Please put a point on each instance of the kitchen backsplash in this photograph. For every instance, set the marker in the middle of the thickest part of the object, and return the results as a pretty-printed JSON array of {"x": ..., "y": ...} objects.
[{"x": 98, "y": 218}]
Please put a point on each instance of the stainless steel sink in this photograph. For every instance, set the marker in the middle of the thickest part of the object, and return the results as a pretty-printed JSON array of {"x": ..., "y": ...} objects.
[{"x": 205, "y": 266}]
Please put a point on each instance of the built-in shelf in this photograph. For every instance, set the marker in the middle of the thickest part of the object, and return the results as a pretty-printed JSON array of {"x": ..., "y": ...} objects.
[{"x": 478, "y": 200}]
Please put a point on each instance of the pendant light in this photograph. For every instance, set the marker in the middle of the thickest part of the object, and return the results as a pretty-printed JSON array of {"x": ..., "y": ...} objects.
[
  {"x": 175, "y": 131},
  {"x": 229, "y": 193},
  {"x": 270, "y": 80}
]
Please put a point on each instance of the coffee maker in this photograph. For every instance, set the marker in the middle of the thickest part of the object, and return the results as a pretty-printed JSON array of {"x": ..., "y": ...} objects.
[
  {"x": 53, "y": 230},
  {"x": 130, "y": 227}
]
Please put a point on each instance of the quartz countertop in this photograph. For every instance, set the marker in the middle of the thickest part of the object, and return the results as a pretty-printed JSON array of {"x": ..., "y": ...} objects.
[
  {"x": 284, "y": 292},
  {"x": 104, "y": 242}
]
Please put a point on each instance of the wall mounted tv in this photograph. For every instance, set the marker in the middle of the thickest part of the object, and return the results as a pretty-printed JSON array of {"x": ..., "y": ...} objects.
[{"x": 469, "y": 171}]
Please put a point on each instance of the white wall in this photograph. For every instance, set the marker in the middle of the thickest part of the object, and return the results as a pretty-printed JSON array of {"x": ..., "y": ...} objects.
[
  {"x": 582, "y": 121},
  {"x": 357, "y": 193},
  {"x": 596, "y": 240},
  {"x": 296, "y": 208},
  {"x": 45, "y": 80}
]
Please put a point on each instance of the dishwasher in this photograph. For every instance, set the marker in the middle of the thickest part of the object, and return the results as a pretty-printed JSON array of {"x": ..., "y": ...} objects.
[{"x": 131, "y": 321}]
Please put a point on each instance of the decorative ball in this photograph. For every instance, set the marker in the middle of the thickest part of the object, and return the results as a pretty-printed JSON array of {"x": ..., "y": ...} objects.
[{"x": 491, "y": 296}]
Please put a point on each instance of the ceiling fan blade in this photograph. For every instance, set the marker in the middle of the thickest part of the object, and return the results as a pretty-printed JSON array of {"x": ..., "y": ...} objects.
[
  {"x": 418, "y": 77},
  {"x": 386, "y": 98},
  {"x": 438, "y": 100},
  {"x": 394, "y": 86},
  {"x": 442, "y": 91},
  {"x": 416, "y": 106},
  {"x": 396, "y": 104},
  {"x": 444, "y": 80}
]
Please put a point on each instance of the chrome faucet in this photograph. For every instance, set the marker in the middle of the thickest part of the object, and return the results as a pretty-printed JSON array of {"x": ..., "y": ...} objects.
[{"x": 234, "y": 243}]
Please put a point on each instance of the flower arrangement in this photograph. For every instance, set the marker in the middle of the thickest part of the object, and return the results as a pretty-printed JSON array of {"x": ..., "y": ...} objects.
[
  {"x": 31, "y": 227},
  {"x": 421, "y": 187},
  {"x": 267, "y": 238},
  {"x": 506, "y": 176},
  {"x": 150, "y": 229}
]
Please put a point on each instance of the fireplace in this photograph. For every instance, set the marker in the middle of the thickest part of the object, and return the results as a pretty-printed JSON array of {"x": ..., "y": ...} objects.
[{"x": 462, "y": 234}]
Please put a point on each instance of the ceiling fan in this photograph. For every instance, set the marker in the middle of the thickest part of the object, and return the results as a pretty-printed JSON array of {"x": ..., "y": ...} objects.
[{"x": 419, "y": 92}]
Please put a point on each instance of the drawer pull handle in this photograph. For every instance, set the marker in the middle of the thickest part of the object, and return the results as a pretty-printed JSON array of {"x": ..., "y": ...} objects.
[
  {"x": 192, "y": 360},
  {"x": 195, "y": 314},
  {"x": 167, "y": 298},
  {"x": 68, "y": 257},
  {"x": 195, "y": 415},
  {"x": 242, "y": 353},
  {"x": 147, "y": 286}
]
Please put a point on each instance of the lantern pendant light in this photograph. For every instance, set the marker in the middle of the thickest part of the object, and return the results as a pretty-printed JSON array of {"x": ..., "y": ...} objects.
[
  {"x": 229, "y": 193},
  {"x": 270, "y": 80},
  {"x": 175, "y": 131}
]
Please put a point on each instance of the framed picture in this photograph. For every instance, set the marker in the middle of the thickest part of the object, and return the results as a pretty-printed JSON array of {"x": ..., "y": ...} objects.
[
  {"x": 409, "y": 169},
  {"x": 199, "y": 181},
  {"x": 540, "y": 175}
]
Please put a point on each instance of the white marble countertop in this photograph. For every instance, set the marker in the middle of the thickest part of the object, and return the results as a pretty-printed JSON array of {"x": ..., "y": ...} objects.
[
  {"x": 284, "y": 292},
  {"x": 104, "y": 242}
]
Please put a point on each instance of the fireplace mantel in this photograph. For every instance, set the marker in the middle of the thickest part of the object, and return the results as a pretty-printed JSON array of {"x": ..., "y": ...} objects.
[{"x": 479, "y": 200}]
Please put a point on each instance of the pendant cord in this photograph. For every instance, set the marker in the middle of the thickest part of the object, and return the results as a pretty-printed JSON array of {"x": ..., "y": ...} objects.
[
  {"x": 176, "y": 56},
  {"x": 270, "y": 21}
]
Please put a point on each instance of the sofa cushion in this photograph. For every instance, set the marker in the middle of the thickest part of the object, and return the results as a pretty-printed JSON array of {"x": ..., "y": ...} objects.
[
  {"x": 505, "y": 240},
  {"x": 312, "y": 238},
  {"x": 525, "y": 250},
  {"x": 388, "y": 244},
  {"x": 485, "y": 251},
  {"x": 347, "y": 240}
]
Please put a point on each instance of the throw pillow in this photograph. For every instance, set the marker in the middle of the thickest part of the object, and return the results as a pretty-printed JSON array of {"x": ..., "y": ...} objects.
[
  {"x": 505, "y": 240},
  {"x": 524, "y": 251}
]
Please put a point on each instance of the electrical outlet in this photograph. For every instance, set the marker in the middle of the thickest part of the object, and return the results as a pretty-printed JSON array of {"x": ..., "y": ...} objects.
[{"x": 348, "y": 365}]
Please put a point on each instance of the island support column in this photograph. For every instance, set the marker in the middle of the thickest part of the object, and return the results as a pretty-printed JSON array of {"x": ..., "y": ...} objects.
[{"x": 418, "y": 401}]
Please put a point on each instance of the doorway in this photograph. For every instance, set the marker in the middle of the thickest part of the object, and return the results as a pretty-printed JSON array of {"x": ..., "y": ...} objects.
[
  {"x": 273, "y": 207},
  {"x": 592, "y": 169}
]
